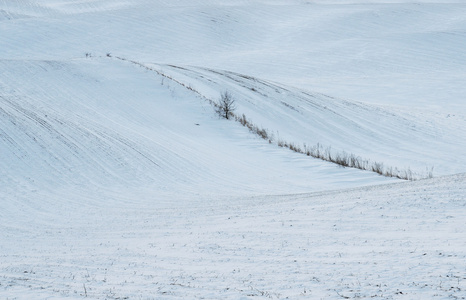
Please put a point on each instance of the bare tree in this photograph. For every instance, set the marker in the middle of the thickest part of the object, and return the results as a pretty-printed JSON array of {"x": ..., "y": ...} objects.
[{"x": 225, "y": 105}]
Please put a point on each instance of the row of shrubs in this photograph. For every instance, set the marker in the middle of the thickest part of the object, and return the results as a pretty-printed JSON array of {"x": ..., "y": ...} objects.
[{"x": 340, "y": 158}]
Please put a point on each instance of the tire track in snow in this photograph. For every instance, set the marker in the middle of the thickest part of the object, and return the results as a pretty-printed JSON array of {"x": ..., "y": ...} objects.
[{"x": 76, "y": 145}]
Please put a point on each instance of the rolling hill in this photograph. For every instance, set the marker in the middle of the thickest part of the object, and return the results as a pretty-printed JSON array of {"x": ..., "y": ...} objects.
[{"x": 119, "y": 181}]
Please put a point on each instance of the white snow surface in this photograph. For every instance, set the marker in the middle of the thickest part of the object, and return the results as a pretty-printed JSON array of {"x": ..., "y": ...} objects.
[{"x": 119, "y": 181}]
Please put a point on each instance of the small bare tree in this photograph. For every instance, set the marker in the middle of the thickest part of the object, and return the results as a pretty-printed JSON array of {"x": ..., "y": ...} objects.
[{"x": 225, "y": 105}]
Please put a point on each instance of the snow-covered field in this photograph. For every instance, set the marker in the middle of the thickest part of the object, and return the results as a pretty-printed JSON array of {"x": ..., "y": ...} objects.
[
  {"x": 401, "y": 241},
  {"x": 119, "y": 181}
]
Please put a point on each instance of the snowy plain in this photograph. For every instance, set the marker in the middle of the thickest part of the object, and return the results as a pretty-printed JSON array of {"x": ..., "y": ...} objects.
[{"x": 118, "y": 180}]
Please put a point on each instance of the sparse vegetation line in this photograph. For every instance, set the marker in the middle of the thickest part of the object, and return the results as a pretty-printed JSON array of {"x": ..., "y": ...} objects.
[
  {"x": 225, "y": 107},
  {"x": 325, "y": 153}
]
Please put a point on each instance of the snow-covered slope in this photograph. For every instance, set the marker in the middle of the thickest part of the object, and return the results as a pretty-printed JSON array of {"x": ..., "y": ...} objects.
[
  {"x": 102, "y": 122},
  {"x": 403, "y": 58},
  {"x": 117, "y": 181},
  {"x": 410, "y": 140}
]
